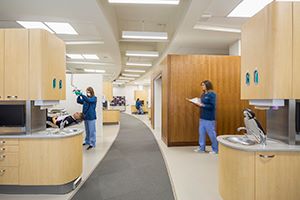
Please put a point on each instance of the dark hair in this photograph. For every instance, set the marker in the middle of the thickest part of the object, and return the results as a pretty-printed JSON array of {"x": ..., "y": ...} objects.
[
  {"x": 208, "y": 84},
  {"x": 138, "y": 99},
  {"x": 91, "y": 90}
]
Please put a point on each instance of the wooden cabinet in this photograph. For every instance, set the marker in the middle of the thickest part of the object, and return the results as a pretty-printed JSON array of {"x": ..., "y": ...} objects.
[
  {"x": 16, "y": 56},
  {"x": 47, "y": 64},
  {"x": 1, "y": 65},
  {"x": 277, "y": 175},
  {"x": 142, "y": 95},
  {"x": 236, "y": 174},
  {"x": 296, "y": 50},
  {"x": 258, "y": 175},
  {"x": 111, "y": 116},
  {"x": 108, "y": 91},
  {"x": 267, "y": 53}
]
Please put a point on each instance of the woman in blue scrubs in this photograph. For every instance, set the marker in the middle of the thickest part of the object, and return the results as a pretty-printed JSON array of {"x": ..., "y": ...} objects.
[
  {"x": 89, "y": 102},
  {"x": 207, "y": 118}
]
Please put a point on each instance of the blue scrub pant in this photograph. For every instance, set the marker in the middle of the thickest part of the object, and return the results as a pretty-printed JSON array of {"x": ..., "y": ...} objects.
[
  {"x": 208, "y": 126},
  {"x": 90, "y": 132}
]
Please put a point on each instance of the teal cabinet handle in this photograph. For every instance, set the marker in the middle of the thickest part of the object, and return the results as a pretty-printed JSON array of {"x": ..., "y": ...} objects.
[
  {"x": 256, "y": 77},
  {"x": 247, "y": 78},
  {"x": 54, "y": 83},
  {"x": 60, "y": 84}
]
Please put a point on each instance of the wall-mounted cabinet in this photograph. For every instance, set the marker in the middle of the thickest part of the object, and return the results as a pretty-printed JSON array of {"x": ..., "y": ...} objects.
[
  {"x": 296, "y": 50},
  {"x": 47, "y": 64},
  {"x": 16, "y": 55},
  {"x": 1, "y": 64},
  {"x": 267, "y": 53}
]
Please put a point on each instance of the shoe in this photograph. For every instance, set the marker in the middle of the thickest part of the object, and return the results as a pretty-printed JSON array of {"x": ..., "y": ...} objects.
[
  {"x": 213, "y": 152},
  {"x": 84, "y": 144},
  {"x": 199, "y": 151},
  {"x": 89, "y": 147}
]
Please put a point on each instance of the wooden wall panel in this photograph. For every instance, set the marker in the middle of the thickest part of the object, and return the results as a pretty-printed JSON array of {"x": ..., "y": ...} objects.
[
  {"x": 296, "y": 50},
  {"x": 165, "y": 66},
  {"x": 108, "y": 90},
  {"x": 182, "y": 79}
]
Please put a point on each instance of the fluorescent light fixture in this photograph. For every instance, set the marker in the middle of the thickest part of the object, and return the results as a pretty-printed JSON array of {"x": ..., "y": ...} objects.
[
  {"x": 288, "y": 0},
  {"x": 90, "y": 56},
  {"x": 61, "y": 28},
  {"x": 139, "y": 64},
  {"x": 88, "y": 63},
  {"x": 134, "y": 70},
  {"x": 144, "y": 35},
  {"x": 126, "y": 78},
  {"x": 83, "y": 42},
  {"x": 249, "y": 8},
  {"x": 131, "y": 75},
  {"x": 168, "y": 2},
  {"x": 216, "y": 28},
  {"x": 94, "y": 70},
  {"x": 142, "y": 53},
  {"x": 75, "y": 56},
  {"x": 34, "y": 25}
]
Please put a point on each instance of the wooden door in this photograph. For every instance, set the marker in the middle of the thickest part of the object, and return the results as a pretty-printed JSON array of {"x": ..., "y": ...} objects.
[
  {"x": 277, "y": 175},
  {"x": 296, "y": 50},
  {"x": 1, "y": 65},
  {"x": 16, "y": 64}
]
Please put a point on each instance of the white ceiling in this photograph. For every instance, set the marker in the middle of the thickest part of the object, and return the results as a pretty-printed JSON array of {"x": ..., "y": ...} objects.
[{"x": 99, "y": 20}]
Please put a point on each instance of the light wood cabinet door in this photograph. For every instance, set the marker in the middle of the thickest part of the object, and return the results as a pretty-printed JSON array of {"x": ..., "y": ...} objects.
[
  {"x": 296, "y": 50},
  {"x": 16, "y": 64},
  {"x": 108, "y": 90},
  {"x": 1, "y": 65},
  {"x": 61, "y": 69},
  {"x": 277, "y": 176},
  {"x": 236, "y": 174}
]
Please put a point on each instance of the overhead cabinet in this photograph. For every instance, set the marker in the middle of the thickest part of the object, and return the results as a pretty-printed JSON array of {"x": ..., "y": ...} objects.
[
  {"x": 32, "y": 65},
  {"x": 270, "y": 45}
]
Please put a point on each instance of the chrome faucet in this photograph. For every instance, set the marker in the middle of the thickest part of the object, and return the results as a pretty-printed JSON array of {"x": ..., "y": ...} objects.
[{"x": 253, "y": 127}]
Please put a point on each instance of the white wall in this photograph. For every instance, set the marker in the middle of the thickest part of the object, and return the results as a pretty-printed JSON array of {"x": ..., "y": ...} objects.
[
  {"x": 82, "y": 81},
  {"x": 157, "y": 104},
  {"x": 235, "y": 49}
]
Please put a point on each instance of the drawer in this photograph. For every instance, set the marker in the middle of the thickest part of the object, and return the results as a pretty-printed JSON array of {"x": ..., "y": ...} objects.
[
  {"x": 9, "y": 160},
  {"x": 4, "y": 142},
  {"x": 9, "y": 175},
  {"x": 9, "y": 149}
]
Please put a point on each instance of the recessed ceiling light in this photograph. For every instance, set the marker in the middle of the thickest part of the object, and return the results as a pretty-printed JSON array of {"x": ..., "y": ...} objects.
[
  {"x": 61, "y": 28},
  {"x": 94, "y": 70},
  {"x": 216, "y": 28},
  {"x": 126, "y": 78},
  {"x": 34, "y": 25},
  {"x": 88, "y": 63},
  {"x": 144, "y": 35},
  {"x": 168, "y": 2},
  {"x": 75, "y": 56},
  {"x": 131, "y": 75},
  {"x": 139, "y": 64},
  {"x": 83, "y": 42},
  {"x": 142, "y": 53},
  {"x": 90, "y": 56},
  {"x": 249, "y": 8},
  {"x": 134, "y": 70}
]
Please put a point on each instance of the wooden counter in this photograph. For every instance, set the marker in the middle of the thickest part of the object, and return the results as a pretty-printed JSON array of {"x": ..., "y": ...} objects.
[
  {"x": 260, "y": 175},
  {"x": 111, "y": 116},
  {"x": 36, "y": 161}
]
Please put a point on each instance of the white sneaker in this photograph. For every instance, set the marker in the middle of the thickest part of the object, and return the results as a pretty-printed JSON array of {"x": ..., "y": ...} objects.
[
  {"x": 199, "y": 151},
  {"x": 212, "y": 152}
]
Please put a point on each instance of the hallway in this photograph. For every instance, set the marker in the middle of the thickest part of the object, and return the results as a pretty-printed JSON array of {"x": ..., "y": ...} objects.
[{"x": 132, "y": 169}]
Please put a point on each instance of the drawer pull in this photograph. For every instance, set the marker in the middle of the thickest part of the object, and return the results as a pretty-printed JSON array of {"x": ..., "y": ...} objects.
[
  {"x": 266, "y": 156},
  {"x": 2, "y": 149},
  {"x": 2, "y": 142},
  {"x": 2, "y": 172},
  {"x": 2, "y": 157},
  {"x": 12, "y": 97}
]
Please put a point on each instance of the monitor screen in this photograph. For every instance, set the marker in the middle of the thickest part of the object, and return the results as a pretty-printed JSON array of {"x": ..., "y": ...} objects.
[{"x": 12, "y": 115}]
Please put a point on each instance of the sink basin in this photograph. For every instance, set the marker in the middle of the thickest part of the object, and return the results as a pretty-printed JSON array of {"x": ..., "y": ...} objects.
[{"x": 240, "y": 140}]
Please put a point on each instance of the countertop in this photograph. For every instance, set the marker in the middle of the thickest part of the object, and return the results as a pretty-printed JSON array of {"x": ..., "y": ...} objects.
[
  {"x": 272, "y": 145},
  {"x": 48, "y": 133}
]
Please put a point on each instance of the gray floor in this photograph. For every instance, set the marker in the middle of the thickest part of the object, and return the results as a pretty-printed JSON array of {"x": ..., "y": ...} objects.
[{"x": 133, "y": 169}]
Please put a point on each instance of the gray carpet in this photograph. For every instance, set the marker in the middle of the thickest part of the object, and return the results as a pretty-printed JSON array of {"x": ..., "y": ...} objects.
[{"x": 133, "y": 168}]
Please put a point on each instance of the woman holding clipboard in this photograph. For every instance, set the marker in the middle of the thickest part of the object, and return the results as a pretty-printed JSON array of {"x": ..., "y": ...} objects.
[{"x": 207, "y": 121}]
